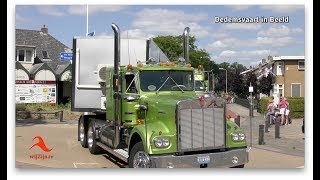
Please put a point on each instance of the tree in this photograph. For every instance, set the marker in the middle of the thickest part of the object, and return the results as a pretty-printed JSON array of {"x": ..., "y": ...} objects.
[
  {"x": 239, "y": 87},
  {"x": 235, "y": 81},
  {"x": 265, "y": 84},
  {"x": 172, "y": 47}
]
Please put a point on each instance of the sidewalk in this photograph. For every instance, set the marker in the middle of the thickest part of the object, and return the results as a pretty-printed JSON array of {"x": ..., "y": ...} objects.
[{"x": 291, "y": 137}]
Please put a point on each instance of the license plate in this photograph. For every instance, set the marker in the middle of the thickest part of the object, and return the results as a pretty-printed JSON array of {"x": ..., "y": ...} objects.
[{"x": 203, "y": 159}]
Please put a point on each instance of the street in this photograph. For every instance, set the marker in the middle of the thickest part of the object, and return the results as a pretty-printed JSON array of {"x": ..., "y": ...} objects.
[{"x": 67, "y": 152}]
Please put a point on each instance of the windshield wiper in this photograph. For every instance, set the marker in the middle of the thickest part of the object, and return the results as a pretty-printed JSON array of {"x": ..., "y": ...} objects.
[
  {"x": 176, "y": 83},
  {"x": 162, "y": 85}
]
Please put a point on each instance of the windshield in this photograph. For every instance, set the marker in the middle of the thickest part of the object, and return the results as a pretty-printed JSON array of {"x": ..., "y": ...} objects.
[
  {"x": 199, "y": 85},
  {"x": 166, "y": 80}
]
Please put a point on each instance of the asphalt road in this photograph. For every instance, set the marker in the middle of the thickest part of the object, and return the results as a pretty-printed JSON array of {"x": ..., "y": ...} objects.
[{"x": 67, "y": 152}]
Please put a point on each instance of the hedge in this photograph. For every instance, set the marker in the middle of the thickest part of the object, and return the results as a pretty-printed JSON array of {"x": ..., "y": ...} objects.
[
  {"x": 263, "y": 104},
  {"x": 296, "y": 106}
]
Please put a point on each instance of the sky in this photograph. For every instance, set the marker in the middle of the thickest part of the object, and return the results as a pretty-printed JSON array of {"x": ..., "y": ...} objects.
[{"x": 245, "y": 43}]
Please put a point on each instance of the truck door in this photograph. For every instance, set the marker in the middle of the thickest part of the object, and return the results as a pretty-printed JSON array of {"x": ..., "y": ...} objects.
[{"x": 129, "y": 98}]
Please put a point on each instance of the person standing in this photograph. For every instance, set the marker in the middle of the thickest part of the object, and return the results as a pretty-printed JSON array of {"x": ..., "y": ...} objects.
[
  {"x": 282, "y": 107},
  {"x": 287, "y": 111}
]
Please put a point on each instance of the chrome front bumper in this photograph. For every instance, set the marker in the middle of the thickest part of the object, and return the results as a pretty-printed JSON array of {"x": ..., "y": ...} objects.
[{"x": 211, "y": 160}]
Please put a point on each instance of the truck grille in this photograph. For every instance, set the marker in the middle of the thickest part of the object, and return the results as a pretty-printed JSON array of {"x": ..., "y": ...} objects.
[{"x": 200, "y": 128}]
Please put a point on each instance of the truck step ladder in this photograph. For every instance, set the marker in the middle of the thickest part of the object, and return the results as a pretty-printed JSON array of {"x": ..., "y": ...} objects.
[
  {"x": 124, "y": 153},
  {"x": 119, "y": 153}
]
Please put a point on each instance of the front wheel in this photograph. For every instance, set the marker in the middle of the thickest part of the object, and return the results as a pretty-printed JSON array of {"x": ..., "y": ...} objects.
[{"x": 138, "y": 158}]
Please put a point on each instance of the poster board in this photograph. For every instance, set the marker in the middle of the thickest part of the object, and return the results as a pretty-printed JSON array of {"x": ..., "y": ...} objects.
[{"x": 33, "y": 91}]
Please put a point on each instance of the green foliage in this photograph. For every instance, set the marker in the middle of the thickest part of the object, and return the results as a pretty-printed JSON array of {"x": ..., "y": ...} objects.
[
  {"x": 263, "y": 104},
  {"x": 296, "y": 106},
  {"x": 20, "y": 107},
  {"x": 265, "y": 84},
  {"x": 235, "y": 81},
  {"x": 172, "y": 47},
  {"x": 46, "y": 107},
  {"x": 238, "y": 86}
]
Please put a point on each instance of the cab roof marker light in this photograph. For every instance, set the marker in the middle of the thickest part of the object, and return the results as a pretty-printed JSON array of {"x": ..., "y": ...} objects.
[{"x": 129, "y": 67}]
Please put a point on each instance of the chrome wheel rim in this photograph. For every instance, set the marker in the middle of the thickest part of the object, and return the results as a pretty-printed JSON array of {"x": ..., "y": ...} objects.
[
  {"x": 141, "y": 160},
  {"x": 81, "y": 132},
  {"x": 90, "y": 137}
]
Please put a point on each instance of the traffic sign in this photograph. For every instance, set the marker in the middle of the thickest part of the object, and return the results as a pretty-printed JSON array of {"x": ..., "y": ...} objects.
[
  {"x": 250, "y": 88},
  {"x": 65, "y": 56}
]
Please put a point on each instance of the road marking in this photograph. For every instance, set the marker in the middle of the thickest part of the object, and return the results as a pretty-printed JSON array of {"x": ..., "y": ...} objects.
[
  {"x": 75, "y": 164},
  {"x": 300, "y": 167}
]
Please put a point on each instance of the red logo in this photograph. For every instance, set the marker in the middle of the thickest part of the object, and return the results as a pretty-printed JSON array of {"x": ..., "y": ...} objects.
[
  {"x": 202, "y": 102},
  {"x": 40, "y": 144}
]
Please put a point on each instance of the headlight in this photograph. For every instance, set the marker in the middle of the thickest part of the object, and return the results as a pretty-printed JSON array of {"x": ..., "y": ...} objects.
[
  {"x": 242, "y": 137},
  {"x": 157, "y": 142},
  {"x": 238, "y": 136},
  {"x": 161, "y": 142},
  {"x": 235, "y": 137}
]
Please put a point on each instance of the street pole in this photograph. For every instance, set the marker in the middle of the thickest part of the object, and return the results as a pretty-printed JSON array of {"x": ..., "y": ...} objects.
[
  {"x": 250, "y": 118},
  {"x": 250, "y": 90},
  {"x": 226, "y": 81}
]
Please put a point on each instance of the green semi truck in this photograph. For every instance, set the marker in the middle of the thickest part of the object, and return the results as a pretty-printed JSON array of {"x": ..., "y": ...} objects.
[{"x": 148, "y": 114}]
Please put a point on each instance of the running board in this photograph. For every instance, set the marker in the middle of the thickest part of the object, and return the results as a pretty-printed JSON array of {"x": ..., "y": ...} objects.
[{"x": 119, "y": 153}]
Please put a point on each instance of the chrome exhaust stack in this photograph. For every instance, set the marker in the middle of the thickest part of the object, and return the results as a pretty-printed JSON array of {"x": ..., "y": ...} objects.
[
  {"x": 186, "y": 44},
  {"x": 116, "y": 84}
]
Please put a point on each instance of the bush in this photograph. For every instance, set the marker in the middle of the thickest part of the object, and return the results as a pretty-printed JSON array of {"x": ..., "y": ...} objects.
[
  {"x": 20, "y": 107},
  {"x": 296, "y": 106},
  {"x": 263, "y": 104}
]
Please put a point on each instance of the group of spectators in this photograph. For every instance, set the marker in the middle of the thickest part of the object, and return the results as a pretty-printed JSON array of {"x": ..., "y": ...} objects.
[{"x": 276, "y": 109}]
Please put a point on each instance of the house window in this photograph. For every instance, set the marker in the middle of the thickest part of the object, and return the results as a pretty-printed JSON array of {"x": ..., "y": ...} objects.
[
  {"x": 20, "y": 55},
  {"x": 295, "y": 90},
  {"x": 280, "y": 68},
  {"x": 280, "y": 89},
  {"x": 45, "y": 55},
  {"x": 25, "y": 55},
  {"x": 300, "y": 64}
]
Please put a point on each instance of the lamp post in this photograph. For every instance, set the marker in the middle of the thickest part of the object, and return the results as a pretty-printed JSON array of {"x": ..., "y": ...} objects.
[{"x": 226, "y": 78}]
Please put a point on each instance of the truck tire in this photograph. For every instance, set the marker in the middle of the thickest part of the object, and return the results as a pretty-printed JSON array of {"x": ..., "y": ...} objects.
[
  {"x": 239, "y": 166},
  {"x": 82, "y": 133},
  {"x": 92, "y": 142},
  {"x": 138, "y": 158}
]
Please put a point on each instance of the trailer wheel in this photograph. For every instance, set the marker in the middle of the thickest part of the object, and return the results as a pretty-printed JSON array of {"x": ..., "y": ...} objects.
[
  {"x": 138, "y": 158},
  {"x": 239, "y": 166},
  {"x": 92, "y": 142}
]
